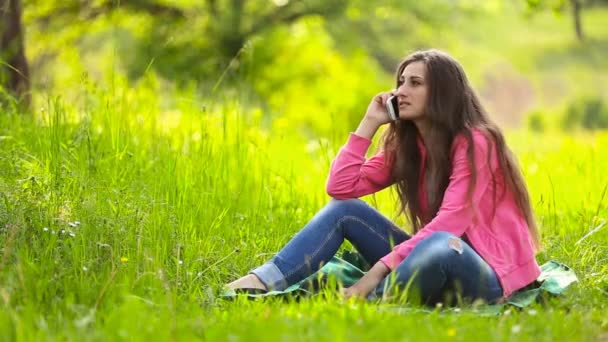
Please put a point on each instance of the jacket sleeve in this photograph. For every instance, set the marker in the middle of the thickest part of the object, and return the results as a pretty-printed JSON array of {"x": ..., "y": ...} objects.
[
  {"x": 456, "y": 214},
  {"x": 352, "y": 176}
]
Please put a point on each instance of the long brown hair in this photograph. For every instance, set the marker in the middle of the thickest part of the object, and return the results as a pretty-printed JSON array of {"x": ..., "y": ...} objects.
[{"x": 452, "y": 108}]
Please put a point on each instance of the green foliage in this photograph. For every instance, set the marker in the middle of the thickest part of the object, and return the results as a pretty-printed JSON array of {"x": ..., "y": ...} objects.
[
  {"x": 588, "y": 112},
  {"x": 183, "y": 41},
  {"x": 294, "y": 70},
  {"x": 555, "y": 5},
  {"x": 203, "y": 42},
  {"x": 309, "y": 84},
  {"x": 537, "y": 121}
]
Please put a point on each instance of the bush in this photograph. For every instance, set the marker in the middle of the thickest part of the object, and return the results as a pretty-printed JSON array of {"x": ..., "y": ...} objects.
[
  {"x": 536, "y": 121},
  {"x": 588, "y": 113}
]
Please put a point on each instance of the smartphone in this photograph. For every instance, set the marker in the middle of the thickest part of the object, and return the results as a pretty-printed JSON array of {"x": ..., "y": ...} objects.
[{"x": 392, "y": 106}]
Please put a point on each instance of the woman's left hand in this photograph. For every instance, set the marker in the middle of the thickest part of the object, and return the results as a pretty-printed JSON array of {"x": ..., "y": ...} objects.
[
  {"x": 353, "y": 291},
  {"x": 369, "y": 282}
]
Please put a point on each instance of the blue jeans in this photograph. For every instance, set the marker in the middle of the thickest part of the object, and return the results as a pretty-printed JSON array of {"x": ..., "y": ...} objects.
[{"x": 441, "y": 268}]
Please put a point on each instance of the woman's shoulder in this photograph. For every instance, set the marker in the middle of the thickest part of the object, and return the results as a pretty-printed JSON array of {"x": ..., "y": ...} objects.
[{"x": 482, "y": 140}]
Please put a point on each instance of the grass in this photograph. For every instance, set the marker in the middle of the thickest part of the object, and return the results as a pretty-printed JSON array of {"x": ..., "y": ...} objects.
[{"x": 120, "y": 221}]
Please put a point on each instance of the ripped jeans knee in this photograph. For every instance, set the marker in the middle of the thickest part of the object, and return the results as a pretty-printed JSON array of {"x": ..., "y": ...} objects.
[{"x": 439, "y": 264}]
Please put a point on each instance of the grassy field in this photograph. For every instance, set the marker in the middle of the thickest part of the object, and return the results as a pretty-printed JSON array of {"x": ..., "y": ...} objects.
[
  {"x": 123, "y": 212},
  {"x": 119, "y": 225}
]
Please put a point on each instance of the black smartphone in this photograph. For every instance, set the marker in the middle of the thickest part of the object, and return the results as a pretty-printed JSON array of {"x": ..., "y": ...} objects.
[{"x": 392, "y": 107}]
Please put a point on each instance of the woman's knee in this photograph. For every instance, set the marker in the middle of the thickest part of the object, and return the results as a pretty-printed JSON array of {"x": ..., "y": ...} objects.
[
  {"x": 347, "y": 205},
  {"x": 334, "y": 210},
  {"x": 438, "y": 246},
  {"x": 442, "y": 239}
]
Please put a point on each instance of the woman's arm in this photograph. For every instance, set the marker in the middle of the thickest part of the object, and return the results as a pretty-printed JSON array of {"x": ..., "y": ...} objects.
[
  {"x": 350, "y": 174},
  {"x": 367, "y": 128}
]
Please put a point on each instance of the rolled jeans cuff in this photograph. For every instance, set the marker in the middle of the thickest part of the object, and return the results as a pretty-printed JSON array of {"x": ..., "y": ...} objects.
[{"x": 271, "y": 276}]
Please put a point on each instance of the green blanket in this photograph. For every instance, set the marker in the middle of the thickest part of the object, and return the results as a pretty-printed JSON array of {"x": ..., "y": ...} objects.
[{"x": 553, "y": 280}]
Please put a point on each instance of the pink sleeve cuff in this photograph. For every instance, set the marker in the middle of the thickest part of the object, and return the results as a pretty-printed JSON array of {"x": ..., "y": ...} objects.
[{"x": 390, "y": 260}]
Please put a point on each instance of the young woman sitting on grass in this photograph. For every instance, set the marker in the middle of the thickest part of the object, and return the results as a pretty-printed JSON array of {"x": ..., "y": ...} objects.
[{"x": 474, "y": 235}]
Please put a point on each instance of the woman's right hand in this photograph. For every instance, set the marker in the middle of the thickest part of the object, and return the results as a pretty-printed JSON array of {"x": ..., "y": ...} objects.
[
  {"x": 376, "y": 111},
  {"x": 375, "y": 116}
]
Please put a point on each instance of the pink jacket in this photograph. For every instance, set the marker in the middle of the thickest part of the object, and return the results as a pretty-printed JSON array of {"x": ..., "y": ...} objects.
[{"x": 503, "y": 241}]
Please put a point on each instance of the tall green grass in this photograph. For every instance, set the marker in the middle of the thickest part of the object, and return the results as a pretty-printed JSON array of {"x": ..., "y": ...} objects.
[{"x": 121, "y": 219}]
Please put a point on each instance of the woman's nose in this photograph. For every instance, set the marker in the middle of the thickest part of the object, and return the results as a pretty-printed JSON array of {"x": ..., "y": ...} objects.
[{"x": 401, "y": 90}]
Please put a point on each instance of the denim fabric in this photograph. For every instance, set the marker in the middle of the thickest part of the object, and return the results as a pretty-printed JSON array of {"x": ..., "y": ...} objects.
[
  {"x": 442, "y": 269},
  {"x": 438, "y": 265}
]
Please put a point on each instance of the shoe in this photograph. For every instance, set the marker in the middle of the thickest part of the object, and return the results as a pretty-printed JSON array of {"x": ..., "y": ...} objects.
[{"x": 250, "y": 291}]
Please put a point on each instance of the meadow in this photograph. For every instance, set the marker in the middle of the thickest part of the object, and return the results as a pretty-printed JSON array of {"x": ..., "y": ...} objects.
[
  {"x": 123, "y": 213},
  {"x": 118, "y": 226}
]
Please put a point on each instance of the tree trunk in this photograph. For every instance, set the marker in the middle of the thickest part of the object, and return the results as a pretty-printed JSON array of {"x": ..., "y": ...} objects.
[
  {"x": 14, "y": 71},
  {"x": 234, "y": 39},
  {"x": 576, "y": 13}
]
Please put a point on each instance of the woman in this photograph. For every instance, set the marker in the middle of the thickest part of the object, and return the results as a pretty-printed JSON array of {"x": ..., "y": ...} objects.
[{"x": 474, "y": 230}]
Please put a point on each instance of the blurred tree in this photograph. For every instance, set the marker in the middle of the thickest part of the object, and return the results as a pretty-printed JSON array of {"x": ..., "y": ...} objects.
[
  {"x": 576, "y": 16},
  {"x": 14, "y": 71},
  {"x": 201, "y": 38},
  {"x": 387, "y": 29},
  {"x": 588, "y": 112},
  {"x": 233, "y": 22},
  {"x": 187, "y": 39},
  {"x": 574, "y": 6}
]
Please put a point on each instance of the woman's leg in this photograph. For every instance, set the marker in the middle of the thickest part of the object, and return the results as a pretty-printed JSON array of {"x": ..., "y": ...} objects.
[
  {"x": 442, "y": 268},
  {"x": 372, "y": 234}
]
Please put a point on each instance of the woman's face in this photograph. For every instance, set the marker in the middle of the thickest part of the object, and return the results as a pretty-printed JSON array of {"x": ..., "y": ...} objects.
[{"x": 412, "y": 91}]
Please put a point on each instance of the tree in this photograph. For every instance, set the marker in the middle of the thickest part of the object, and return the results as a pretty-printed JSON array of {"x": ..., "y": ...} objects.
[
  {"x": 197, "y": 39},
  {"x": 574, "y": 6},
  {"x": 576, "y": 16},
  {"x": 233, "y": 23},
  {"x": 384, "y": 27},
  {"x": 222, "y": 40},
  {"x": 14, "y": 71}
]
